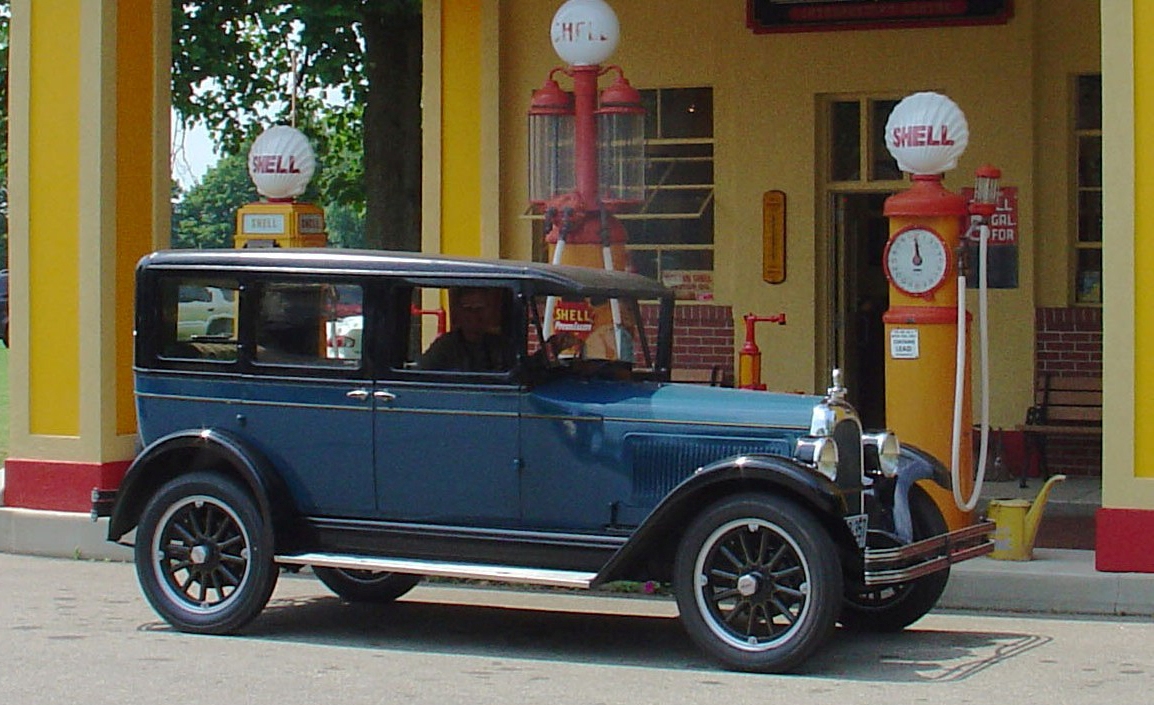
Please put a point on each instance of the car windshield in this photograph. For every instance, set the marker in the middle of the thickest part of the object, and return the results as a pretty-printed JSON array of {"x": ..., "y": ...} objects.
[{"x": 588, "y": 328}]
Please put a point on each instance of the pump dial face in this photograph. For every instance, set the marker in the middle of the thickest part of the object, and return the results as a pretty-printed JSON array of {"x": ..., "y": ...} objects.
[{"x": 916, "y": 261}]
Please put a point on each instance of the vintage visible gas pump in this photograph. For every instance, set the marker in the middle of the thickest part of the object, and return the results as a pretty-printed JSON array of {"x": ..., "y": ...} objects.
[
  {"x": 280, "y": 163},
  {"x": 926, "y": 327},
  {"x": 586, "y": 150}
]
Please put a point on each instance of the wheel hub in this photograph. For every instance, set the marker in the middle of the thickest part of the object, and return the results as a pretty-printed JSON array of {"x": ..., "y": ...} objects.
[
  {"x": 748, "y": 584},
  {"x": 201, "y": 554}
]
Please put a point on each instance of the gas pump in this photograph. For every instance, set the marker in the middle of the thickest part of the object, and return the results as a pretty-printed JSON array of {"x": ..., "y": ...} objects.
[
  {"x": 586, "y": 153},
  {"x": 280, "y": 163},
  {"x": 927, "y": 327}
]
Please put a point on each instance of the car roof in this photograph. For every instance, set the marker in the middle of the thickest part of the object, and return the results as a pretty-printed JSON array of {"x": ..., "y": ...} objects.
[{"x": 547, "y": 278}]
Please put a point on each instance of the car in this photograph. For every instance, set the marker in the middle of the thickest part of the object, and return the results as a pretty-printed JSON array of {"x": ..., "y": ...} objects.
[
  {"x": 204, "y": 312},
  {"x": 555, "y": 452},
  {"x": 344, "y": 337}
]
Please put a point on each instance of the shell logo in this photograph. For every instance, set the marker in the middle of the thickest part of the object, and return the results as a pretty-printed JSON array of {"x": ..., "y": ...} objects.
[
  {"x": 926, "y": 133},
  {"x": 281, "y": 162}
]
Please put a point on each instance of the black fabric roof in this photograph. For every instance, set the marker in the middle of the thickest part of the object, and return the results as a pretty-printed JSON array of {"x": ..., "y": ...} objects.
[{"x": 547, "y": 278}]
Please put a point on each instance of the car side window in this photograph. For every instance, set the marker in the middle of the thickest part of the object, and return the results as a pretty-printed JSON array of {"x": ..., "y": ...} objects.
[
  {"x": 465, "y": 329},
  {"x": 198, "y": 319},
  {"x": 309, "y": 324}
]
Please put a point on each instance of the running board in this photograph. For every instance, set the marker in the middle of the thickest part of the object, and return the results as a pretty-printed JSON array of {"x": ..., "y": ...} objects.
[
  {"x": 901, "y": 564},
  {"x": 444, "y": 569}
]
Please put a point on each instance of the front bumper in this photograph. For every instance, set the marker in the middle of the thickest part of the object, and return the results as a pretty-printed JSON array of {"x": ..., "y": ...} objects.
[{"x": 901, "y": 564}]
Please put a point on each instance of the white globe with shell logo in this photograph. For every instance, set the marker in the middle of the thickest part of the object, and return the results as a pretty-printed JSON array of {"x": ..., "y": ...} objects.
[
  {"x": 926, "y": 133},
  {"x": 585, "y": 32},
  {"x": 281, "y": 162}
]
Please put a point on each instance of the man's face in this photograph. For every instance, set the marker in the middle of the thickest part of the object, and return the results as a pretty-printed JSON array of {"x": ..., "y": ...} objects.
[{"x": 473, "y": 314}]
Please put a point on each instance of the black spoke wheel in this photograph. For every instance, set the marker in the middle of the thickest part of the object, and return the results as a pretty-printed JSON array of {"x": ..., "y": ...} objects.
[
  {"x": 891, "y": 608},
  {"x": 758, "y": 583},
  {"x": 204, "y": 555},
  {"x": 366, "y": 585}
]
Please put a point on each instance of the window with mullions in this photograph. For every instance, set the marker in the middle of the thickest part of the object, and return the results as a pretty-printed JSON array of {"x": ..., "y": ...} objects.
[
  {"x": 858, "y": 141},
  {"x": 671, "y": 233},
  {"x": 1088, "y": 179}
]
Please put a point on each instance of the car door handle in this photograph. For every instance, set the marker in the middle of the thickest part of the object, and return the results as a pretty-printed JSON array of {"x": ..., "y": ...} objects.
[
  {"x": 382, "y": 395},
  {"x": 358, "y": 394}
]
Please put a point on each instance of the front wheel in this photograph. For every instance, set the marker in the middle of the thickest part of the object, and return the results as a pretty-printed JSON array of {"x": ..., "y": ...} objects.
[
  {"x": 204, "y": 555},
  {"x": 366, "y": 585},
  {"x": 758, "y": 583},
  {"x": 891, "y": 608}
]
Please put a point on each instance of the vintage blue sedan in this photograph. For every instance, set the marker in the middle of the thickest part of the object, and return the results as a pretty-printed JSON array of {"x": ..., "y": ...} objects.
[{"x": 530, "y": 435}]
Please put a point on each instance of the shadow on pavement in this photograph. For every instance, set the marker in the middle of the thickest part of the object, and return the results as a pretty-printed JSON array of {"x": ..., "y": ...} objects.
[{"x": 613, "y": 639}]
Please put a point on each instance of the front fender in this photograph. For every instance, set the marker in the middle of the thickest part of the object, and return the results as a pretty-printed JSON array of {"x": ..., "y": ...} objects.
[
  {"x": 659, "y": 534},
  {"x": 194, "y": 450}
]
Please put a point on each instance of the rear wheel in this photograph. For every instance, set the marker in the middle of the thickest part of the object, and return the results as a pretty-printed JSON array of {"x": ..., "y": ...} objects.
[
  {"x": 366, "y": 585},
  {"x": 204, "y": 554},
  {"x": 758, "y": 583},
  {"x": 891, "y": 608}
]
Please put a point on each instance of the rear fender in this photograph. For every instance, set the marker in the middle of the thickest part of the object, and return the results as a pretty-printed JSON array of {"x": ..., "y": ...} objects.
[{"x": 196, "y": 450}]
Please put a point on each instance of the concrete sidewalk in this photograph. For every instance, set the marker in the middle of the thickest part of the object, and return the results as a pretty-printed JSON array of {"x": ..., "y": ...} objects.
[{"x": 1057, "y": 581}]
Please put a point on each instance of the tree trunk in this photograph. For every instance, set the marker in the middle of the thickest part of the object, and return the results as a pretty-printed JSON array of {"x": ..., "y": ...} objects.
[{"x": 392, "y": 127}]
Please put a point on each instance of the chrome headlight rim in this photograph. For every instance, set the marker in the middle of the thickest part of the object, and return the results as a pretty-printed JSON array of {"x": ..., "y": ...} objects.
[
  {"x": 889, "y": 450},
  {"x": 821, "y": 453}
]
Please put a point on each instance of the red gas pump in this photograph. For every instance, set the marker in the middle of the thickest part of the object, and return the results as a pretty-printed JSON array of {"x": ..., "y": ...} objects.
[{"x": 749, "y": 357}]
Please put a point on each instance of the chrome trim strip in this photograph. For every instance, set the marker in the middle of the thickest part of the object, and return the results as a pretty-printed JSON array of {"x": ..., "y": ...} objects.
[
  {"x": 661, "y": 422},
  {"x": 445, "y": 569}
]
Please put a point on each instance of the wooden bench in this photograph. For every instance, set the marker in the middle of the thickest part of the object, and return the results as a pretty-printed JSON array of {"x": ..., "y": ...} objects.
[{"x": 1063, "y": 406}]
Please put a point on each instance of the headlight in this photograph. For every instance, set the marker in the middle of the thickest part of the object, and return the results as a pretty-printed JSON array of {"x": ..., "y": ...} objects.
[
  {"x": 822, "y": 421},
  {"x": 820, "y": 452},
  {"x": 888, "y": 448}
]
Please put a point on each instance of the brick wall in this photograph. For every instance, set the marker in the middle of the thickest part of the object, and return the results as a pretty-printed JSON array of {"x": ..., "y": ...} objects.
[
  {"x": 702, "y": 336},
  {"x": 1068, "y": 341}
]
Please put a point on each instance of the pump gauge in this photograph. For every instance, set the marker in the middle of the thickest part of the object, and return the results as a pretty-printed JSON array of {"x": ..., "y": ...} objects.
[{"x": 916, "y": 261}]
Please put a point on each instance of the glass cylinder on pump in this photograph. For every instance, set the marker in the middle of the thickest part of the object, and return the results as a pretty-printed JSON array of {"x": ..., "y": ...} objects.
[
  {"x": 621, "y": 145},
  {"x": 551, "y": 144}
]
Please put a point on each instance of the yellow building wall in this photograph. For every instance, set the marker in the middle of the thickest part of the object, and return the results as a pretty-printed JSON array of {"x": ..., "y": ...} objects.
[
  {"x": 766, "y": 91},
  {"x": 1069, "y": 42}
]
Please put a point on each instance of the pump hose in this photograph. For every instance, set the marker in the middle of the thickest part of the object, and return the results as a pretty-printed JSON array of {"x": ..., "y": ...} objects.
[{"x": 967, "y": 505}]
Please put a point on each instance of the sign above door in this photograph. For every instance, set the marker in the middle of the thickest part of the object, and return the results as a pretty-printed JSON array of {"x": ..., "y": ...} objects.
[{"x": 765, "y": 16}]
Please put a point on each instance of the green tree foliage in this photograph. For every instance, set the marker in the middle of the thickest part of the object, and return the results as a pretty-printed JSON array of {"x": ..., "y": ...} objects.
[
  {"x": 357, "y": 86},
  {"x": 206, "y": 216}
]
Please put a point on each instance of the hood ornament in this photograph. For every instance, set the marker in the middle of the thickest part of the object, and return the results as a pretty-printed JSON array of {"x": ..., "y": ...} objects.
[{"x": 836, "y": 392}]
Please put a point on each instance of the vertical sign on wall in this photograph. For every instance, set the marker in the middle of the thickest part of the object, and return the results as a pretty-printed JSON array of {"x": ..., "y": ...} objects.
[{"x": 773, "y": 237}]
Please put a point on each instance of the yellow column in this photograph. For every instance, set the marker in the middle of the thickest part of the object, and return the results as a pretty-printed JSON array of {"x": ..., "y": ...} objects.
[
  {"x": 1125, "y": 535},
  {"x": 460, "y": 183},
  {"x": 88, "y": 80}
]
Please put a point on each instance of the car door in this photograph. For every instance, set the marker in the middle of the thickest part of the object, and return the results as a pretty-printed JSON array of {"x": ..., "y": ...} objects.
[
  {"x": 446, "y": 440},
  {"x": 307, "y": 408}
]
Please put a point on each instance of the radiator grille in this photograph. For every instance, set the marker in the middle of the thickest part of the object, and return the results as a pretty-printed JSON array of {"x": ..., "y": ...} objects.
[
  {"x": 847, "y": 435},
  {"x": 661, "y": 463}
]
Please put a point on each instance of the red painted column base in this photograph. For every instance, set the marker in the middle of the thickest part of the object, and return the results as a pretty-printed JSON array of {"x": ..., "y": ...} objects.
[
  {"x": 58, "y": 485},
  {"x": 1125, "y": 541}
]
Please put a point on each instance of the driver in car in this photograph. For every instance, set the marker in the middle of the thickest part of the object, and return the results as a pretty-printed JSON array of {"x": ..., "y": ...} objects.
[{"x": 475, "y": 344}]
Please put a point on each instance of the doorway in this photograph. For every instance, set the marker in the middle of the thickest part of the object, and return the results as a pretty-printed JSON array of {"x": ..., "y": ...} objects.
[
  {"x": 860, "y": 296},
  {"x": 856, "y": 174}
]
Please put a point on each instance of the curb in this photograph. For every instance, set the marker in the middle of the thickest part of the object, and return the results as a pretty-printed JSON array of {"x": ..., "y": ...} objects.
[{"x": 1057, "y": 581}]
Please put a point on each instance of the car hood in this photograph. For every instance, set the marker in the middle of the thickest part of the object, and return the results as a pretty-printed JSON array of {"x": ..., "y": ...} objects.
[{"x": 675, "y": 403}]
